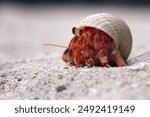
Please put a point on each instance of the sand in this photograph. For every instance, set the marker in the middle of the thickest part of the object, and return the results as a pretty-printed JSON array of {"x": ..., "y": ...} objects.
[
  {"x": 48, "y": 78},
  {"x": 30, "y": 71}
]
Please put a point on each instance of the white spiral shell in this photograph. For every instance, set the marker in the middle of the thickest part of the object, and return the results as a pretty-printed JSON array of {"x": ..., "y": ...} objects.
[{"x": 114, "y": 27}]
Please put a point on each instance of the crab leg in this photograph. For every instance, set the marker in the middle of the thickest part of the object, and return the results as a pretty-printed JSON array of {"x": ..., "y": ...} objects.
[
  {"x": 118, "y": 58},
  {"x": 103, "y": 58}
]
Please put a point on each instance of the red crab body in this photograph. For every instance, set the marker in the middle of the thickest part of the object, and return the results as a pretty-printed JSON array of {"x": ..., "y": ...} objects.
[{"x": 92, "y": 47}]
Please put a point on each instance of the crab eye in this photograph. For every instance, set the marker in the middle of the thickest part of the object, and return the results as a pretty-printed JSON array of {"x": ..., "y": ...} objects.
[
  {"x": 80, "y": 32},
  {"x": 73, "y": 30},
  {"x": 77, "y": 31}
]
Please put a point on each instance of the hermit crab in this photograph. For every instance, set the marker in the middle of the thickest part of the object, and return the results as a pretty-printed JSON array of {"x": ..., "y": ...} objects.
[{"x": 100, "y": 40}]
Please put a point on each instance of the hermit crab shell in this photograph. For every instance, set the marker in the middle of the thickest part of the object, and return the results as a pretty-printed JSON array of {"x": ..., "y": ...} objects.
[{"x": 115, "y": 27}]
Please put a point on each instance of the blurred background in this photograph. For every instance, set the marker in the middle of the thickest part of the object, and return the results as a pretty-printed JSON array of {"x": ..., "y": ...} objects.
[{"x": 27, "y": 24}]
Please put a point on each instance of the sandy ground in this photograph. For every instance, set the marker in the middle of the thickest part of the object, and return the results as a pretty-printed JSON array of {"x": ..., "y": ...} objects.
[{"x": 30, "y": 71}]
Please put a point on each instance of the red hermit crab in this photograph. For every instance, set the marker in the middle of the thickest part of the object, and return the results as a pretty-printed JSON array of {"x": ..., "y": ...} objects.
[{"x": 100, "y": 40}]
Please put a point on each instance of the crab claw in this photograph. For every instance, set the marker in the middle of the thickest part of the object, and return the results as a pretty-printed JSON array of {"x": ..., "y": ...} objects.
[
  {"x": 67, "y": 55},
  {"x": 103, "y": 58}
]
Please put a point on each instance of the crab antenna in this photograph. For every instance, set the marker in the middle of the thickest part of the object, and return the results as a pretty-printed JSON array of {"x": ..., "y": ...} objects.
[
  {"x": 138, "y": 56},
  {"x": 55, "y": 45}
]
